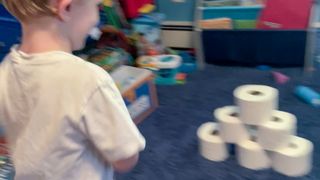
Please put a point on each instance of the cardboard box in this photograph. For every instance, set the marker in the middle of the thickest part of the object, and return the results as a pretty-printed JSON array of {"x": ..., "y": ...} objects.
[{"x": 138, "y": 91}]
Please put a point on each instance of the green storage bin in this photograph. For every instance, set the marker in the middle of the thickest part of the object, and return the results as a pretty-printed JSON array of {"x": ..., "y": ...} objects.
[{"x": 244, "y": 24}]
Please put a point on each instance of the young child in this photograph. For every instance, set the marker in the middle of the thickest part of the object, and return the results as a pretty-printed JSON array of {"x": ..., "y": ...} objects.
[{"x": 64, "y": 117}]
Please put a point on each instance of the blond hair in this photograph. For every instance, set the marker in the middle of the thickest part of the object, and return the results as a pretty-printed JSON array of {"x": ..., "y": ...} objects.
[{"x": 26, "y": 9}]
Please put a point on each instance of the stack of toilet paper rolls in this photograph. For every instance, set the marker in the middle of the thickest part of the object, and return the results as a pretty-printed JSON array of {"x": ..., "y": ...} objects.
[{"x": 264, "y": 136}]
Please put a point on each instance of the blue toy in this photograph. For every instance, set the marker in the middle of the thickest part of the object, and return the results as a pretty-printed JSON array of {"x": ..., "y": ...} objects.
[
  {"x": 308, "y": 95},
  {"x": 188, "y": 65},
  {"x": 264, "y": 67}
]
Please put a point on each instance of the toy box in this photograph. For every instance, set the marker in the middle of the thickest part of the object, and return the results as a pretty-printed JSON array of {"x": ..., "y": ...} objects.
[{"x": 138, "y": 91}]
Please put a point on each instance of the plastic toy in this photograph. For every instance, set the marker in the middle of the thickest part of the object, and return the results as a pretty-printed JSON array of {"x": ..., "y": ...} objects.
[
  {"x": 189, "y": 65},
  {"x": 132, "y": 7},
  {"x": 280, "y": 78},
  {"x": 181, "y": 78},
  {"x": 165, "y": 67},
  {"x": 147, "y": 8},
  {"x": 308, "y": 95},
  {"x": 111, "y": 13},
  {"x": 148, "y": 28},
  {"x": 264, "y": 67}
]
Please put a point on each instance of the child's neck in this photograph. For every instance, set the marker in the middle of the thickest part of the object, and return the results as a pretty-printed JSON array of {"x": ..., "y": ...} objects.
[{"x": 40, "y": 39}]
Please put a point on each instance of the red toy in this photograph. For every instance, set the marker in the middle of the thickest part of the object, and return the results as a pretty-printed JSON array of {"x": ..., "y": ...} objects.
[{"x": 131, "y": 7}]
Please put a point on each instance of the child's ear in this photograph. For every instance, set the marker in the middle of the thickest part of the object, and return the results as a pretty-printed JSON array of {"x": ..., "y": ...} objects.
[{"x": 63, "y": 9}]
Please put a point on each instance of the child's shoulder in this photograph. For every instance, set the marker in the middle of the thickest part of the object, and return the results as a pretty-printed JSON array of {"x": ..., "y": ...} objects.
[{"x": 76, "y": 70}]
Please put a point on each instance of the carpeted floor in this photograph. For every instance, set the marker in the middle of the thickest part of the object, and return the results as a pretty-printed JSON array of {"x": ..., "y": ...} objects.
[{"x": 172, "y": 146}]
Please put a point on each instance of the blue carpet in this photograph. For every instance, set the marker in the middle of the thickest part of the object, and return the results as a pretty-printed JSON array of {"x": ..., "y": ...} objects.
[{"x": 172, "y": 147}]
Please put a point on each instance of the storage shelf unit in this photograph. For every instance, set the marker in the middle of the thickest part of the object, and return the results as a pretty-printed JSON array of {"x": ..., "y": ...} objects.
[{"x": 280, "y": 48}]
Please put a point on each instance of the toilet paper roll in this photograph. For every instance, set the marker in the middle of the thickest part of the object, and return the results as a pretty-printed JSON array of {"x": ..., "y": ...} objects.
[
  {"x": 253, "y": 130},
  {"x": 211, "y": 145},
  {"x": 295, "y": 159},
  {"x": 231, "y": 127},
  {"x": 256, "y": 103},
  {"x": 252, "y": 156},
  {"x": 277, "y": 131}
]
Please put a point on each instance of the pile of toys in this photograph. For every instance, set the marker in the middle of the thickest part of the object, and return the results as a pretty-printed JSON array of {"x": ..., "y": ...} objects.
[
  {"x": 135, "y": 40},
  {"x": 6, "y": 166}
]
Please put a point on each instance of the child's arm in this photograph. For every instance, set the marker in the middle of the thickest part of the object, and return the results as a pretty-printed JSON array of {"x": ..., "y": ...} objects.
[
  {"x": 126, "y": 164},
  {"x": 107, "y": 124}
]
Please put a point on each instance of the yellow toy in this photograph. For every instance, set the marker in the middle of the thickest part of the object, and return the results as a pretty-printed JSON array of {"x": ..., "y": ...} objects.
[
  {"x": 147, "y": 8},
  {"x": 108, "y": 3}
]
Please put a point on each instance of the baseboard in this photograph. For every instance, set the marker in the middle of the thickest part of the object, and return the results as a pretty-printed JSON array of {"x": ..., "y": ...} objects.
[{"x": 177, "y": 34}]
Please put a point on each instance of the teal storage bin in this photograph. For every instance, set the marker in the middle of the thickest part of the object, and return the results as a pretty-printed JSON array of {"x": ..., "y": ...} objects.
[
  {"x": 177, "y": 11},
  {"x": 233, "y": 12}
]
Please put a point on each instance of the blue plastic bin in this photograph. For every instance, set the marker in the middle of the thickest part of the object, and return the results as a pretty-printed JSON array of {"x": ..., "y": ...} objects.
[
  {"x": 10, "y": 31},
  {"x": 4, "y": 12},
  {"x": 233, "y": 12}
]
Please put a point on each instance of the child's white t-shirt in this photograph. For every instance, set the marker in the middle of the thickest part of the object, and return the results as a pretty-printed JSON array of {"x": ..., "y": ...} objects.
[{"x": 64, "y": 118}]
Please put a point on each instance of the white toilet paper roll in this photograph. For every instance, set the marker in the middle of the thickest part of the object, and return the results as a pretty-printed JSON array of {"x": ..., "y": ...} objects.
[
  {"x": 256, "y": 102},
  {"x": 211, "y": 145},
  {"x": 231, "y": 127},
  {"x": 252, "y": 156},
  {"x": 253, "y": 130},
  {"x": 295, "y": 159},
  {"x": 277, "y": 131}
]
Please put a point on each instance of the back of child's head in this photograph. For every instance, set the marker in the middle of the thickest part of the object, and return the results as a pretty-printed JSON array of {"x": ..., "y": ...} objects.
[
  {"x": 25, "y": 10},
  {"x": 69, "y": 20}
]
